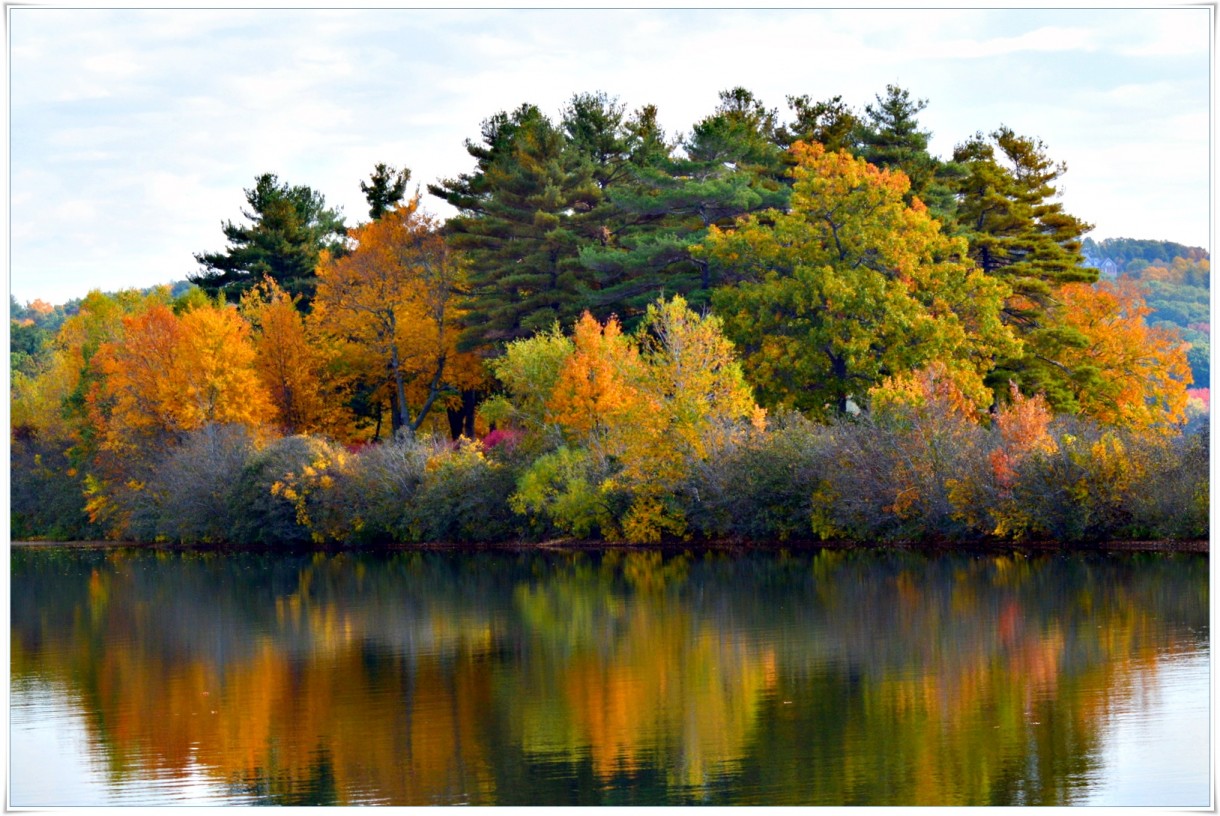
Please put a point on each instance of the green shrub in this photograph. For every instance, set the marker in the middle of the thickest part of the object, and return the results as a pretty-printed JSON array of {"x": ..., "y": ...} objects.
[
  {"x": 464, "y": 497},
  {"x": 762, "y": 488},
  {"x": 263, "y": 511},
  {"x": 1170, "y": 499},
  {"x": 374, "y": 495},
  {"x": 564, "y": 491},
  {"x": 46, "y": 495}
]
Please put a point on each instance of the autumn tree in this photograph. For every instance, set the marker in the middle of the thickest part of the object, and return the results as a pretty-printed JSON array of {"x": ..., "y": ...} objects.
[
  {"x": 169, "y": 376},
  {"x": 1125, "y": 373},
  {"x": 628, "y": 416},
  {"x": 51, "y": 401},
  {"x": 390, "y": 305},
  {"x": 289, "y": 227},
  {"x": 291, "y": 365},
  {"x": 54, "y": 440},
  {"x": 173, "y": 374},
  {"x": 849, "y": 286}
]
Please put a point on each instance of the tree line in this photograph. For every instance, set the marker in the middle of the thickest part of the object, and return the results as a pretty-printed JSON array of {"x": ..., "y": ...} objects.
[{"x": 623, "y": 317}]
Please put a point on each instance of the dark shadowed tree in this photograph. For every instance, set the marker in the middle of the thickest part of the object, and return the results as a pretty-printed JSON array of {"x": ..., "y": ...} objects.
[{"x": 385, "y": 188}]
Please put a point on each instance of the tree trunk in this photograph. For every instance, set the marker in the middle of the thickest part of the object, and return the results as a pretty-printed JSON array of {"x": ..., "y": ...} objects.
[
  {"x": 838, "y": 368},
  {"x": 403, "y": 414},
  {"x": 461, "y": 420}
]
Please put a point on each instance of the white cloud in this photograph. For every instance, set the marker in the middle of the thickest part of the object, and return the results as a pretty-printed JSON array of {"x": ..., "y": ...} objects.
[
  {"x": 71, "y": 213},
  {"x": 146, "y": 124},
  {"x": 1185, "y": 32},
  {"x": 1047, "y": 38},
  {"x": 116, "y": 64}
]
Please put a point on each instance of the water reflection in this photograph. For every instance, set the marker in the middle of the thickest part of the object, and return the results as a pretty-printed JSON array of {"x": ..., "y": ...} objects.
[{"x": 826, "y": 678}]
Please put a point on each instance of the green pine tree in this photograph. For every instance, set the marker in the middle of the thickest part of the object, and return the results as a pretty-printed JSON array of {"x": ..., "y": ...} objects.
[
  {"x": 289, "y": 227},
  {"x": 1019, "y": 233},
  {"x": 516, "y": 227},
  {"x": 731, "y": 166}
]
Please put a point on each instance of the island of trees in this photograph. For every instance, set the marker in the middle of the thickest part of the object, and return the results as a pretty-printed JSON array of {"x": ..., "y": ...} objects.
[{"x": 760, "y": 330}]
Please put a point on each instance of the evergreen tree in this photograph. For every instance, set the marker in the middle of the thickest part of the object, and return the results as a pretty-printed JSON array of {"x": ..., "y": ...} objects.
[
  {"x": 1020, "y": 234},
  {"x": 385, "y": 189},
  {"x": 289, "y": 227},
  {"x": 595, "y": 131},
  {"x": 890, "y": 137},
  {"x": 515, "y": 227},
  {"x": 732, "y": 166},
  {"x": 830, "y": 123},
  {"x": 1016, "y": 229}
]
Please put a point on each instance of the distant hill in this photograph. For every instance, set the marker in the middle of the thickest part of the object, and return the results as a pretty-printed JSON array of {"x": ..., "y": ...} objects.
[
  {"x": 1134, "y": 254},
  {"x": 1177, "y": 287}
]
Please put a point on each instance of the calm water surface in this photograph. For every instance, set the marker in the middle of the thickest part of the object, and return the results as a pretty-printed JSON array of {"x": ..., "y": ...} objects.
[{"x": 824, "y": 678}]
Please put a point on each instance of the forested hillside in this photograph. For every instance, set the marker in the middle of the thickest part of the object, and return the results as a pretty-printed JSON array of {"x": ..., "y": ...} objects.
[
  {"x": 765, "y": 327},
  {"x": 1176, "y": 284}
]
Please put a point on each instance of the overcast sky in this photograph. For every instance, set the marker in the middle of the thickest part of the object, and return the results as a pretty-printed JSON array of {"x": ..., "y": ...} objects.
[{"x": 133, "y": 132}]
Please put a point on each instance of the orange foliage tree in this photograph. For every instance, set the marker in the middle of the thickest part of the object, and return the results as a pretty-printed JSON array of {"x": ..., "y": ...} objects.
[
  {"x": 1124, "y": 373},
  {"x": 289, "y": 364},
  {"x": 172, "y": 374},
  {"x": 169, "y": 375},
  {"x": 598, "y": 387},
  {"x": 52, "y": 403},
  {"x": 390, "y": 308}
]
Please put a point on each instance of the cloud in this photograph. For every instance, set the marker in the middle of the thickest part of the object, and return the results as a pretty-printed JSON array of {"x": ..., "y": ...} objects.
[
  {"x": 156, "y": 119},
  {"x": 1047, "y": 38}
]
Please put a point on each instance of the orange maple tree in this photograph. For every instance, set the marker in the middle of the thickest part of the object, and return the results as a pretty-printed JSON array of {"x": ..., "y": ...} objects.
[
  {"x": 1127, "y": 373},
  {"x": 290, "y": 365},
  {"x": 172, "y": 374},
  {"x": 390, "y": 308}
]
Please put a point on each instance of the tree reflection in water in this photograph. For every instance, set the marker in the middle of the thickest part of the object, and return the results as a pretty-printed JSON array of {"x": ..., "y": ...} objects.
[{"x": 823, "y": 678}]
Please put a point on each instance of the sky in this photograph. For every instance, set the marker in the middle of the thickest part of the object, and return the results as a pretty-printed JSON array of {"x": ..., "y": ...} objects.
[{"x": 133, "y": 132}]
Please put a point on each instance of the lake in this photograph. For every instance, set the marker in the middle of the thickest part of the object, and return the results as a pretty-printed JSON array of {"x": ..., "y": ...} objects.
[{"x": 821, "y": 677}]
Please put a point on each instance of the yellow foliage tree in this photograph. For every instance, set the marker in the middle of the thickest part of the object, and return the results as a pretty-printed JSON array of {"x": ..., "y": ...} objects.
[
  {"x": 850, "y": 285},
  {"x": 52, "y": 403},
  {"x": 645, "y": 408}
]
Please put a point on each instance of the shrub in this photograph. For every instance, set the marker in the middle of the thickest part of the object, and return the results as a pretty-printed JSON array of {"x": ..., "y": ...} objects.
[
  {"x": 1087, "y": 486},
  {"x": 562, "y": 491},
  {"x": 373, "y": 496},
  {"x": 277, "y": 493},
  {"x": 761, "y": 486},
  {"x": 464, "y": 497},
  {"x": 1170, "y": 499},
  {"x": 46, "y": 494},
  {"x": 193, "y": 483}
]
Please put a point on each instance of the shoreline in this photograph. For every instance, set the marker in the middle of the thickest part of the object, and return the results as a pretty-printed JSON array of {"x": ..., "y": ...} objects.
[{"x": 580, "y": 545}]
